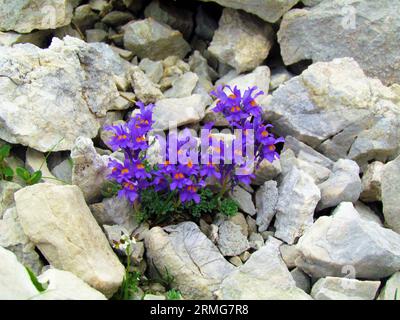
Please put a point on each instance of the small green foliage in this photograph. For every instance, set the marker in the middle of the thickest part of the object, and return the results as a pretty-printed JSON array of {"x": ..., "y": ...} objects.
[
  {"x": 35, "y": 280},
  {"x": 129, "y": 286},
  {"x": 6, "y": 173},
  {"x": 229, "y": 207},
  {"x": 110, "y": 189},
  {"x": 396, "y": 295},
  {"x": 27, "y": 177},
  {"x": 173, "y": 295},
  {"x": 208, "y": 204},
  {"x": 155, "y": 206}
]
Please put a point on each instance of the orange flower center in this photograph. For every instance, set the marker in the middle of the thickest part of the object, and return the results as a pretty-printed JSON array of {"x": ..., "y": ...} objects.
[
  {"x": 191, "y": 188},
  {"x": 129, "y": 185},
  {"x": 235, "y": 109},
  {"x": 140, "y": 166},
  {"x": 179, "y": 175},
  {"x": 264, "y": 133},
  {"x": 123, "y": 171},
  {"x": 272, "y": 148},
  {"x": 253, "y": 103},
  {"x": 140, "y": 139},
  {"x": 122, "y": 136}
]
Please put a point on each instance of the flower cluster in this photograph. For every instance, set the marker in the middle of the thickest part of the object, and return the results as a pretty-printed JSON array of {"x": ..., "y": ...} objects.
[{"x": 184, "y": 170}]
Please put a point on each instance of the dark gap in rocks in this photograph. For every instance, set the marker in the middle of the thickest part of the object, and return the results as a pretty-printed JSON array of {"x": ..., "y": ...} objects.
[{"x": 299, "y": 67}]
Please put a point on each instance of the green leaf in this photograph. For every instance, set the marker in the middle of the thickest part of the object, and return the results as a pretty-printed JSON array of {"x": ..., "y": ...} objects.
[
  {"x": 23, "y": 173},
  {"x": 173, "y": 295},
  {"x": 35, "y": 280},
  {"x": 35, "y": 178},
  {"x": 4, "y": 151},
  {"x": 8, "y": 173}
]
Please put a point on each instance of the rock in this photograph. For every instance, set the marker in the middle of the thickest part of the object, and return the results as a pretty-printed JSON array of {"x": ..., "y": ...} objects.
[
  {"x": 367, "y": 213},
  {"x": 153, "y": 69},
  {"x": 64, "y": 285},
  {"x": 35, "y": 161},
  {"x": 252, "y": 225},
  {"x": 231, "y": 241},
  {"x": 7, "y": 190},
  {"x": 72, "y": 82},
  {"x": 96, "y": 35},
  {"x": 210, "y": 230},
  {"x": 13, "y": 238},
  {"x": 266, "y": 200},
  {"x": 344, "y": 239},
  {"x": 371, "y": 182},
  {"x": 177, "y": 17},
  {"x": 178, "y": 110},
  {"x": 302, "y": 280},
  {"x": 267, "y": 171},
  {"x": 334, "y": 108},
  {"x": 124, "y": 54},
  {"x": 391, "y": 290},
  {"x": 156, "y": 41},
  {"x": 84, "y": 17},
  {"x": 343, "y": 185},
  {"x": 298, "y": 198},
  {"x": 117, "y": 18},
  {"x": 199, "y": 65},
  {"x": 38, "y": 38},
  {"x": 311, "y": 3},
  {"x": 244, "y": 200},
  {"x": 241, "y": 221},
  {"x": 57, "y": 220},
  {"x": 245, "y": 256},
  {"x": 236, "y": 261},
  {"x": 15, "y": 283},
  {"x": 26, "y": 15},
  {"x": 242, "y": 41},
  {"x": 256, "y": 241},
  {"x": 331, "y": 288},
  {"x": 123, "y": 102},
  {"x": 183, "y": 86},
  {"x": 352, "y": 33},
  {"x": 193, "y": 260},
  {"x": 279, "y": 76},
  {"x": 289, "y": 255},
  {"x": 268, "y": 10},
  {"x": 89, "y": 170},
  {"x": 263, "y": 277},
  {"x": 153, "y": 297},
  {"x": 63, "y": 171},
  {"x": 145, "y": 90},
  {"x": 115, "y": 210},
  {"x": 205, "y": 23},
  {"x": 390, "y": 194}
]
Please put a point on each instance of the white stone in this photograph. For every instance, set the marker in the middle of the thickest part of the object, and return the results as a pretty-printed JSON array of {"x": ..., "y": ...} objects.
[{"x": 266, "y": 200}]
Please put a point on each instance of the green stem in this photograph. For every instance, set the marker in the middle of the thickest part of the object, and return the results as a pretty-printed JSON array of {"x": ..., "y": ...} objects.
[
  {"x": 48, "y": 154},
  {"x": 52, "y": 178}
]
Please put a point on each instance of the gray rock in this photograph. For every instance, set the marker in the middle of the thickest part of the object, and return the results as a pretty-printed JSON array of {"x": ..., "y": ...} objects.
[
  {"x": 267, "y": 171},
  {"x": 268, "y": 10},
  {"x": 153, "y": 69},
  {"x": 151, "y": 39},
  {"x": 236, "y": 261},
  {"x": 353, "y": 31},
  {"x": 279, "y": 76},
  {"x": 231, "y": 241},
  {"x": 371, "y": 182},
  {"x": 35, "y": 161},
  {"x": 266, "y": 200},
  {"x": 242, "y": 41},
  {"x": 256, "y": 240},
  {"x": 72, "y": 66},
  {"x": 89, "y": 170},
  {"x": 311, "y": 3},
  {"x": 7, "y": 190},
  {"x": 84, "y": 17},
  {"x": 26, "y": 15},
  {"x": 289, "y": 255},
  {"x": 189, "y": 256},
  {"x": 252, "y": 225},
  {"x": 38, "y": 38},
  {"x": 391, "y": 290},
  {"x": 145, "y": 89},
  {"x": 57, "y": 220},
  {"x": 336, "y": 109},
  {"x": 244, "y": 200},
  {"x": 298, "y": 198},
  {"x": 153, "y": 297},
  {"x": 264, "y": 276},
  {"x": 390, "y": 194},
  {"x": 96, "y": 35},
  {"x": 177, "y": 17},
  {"x": 343, "y": 185},
  {"x": 178, "y": 110},
  {"x": 367, "y": 213},
  {"x": 183, "y": 86},
  {"x": 302, "y": 280},
  {"x": 331, "y": 288},
  {"x": 117, "y": 18},
  {"x": 344, "y": 240}
]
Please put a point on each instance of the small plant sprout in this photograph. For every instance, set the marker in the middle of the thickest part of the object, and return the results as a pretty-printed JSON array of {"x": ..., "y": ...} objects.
[
  {"x": 6, "y": 173},
  {"x": 173, "y": 294}
]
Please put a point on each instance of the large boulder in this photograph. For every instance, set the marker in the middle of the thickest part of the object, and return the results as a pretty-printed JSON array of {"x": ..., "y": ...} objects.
[
  {"x": 26, "y": 15},
  {"x": 390, "y": 194},
  {"x": 66, "y": 87},
  {"x": 366, "y": 30},
  {"x": 242, "y": 40},
  {"x": 263, "y": 277},
  {"x": 335, "y": 108},
  {"x": 391, "y": 290},
  {"x": 345, "y": 241},
  {"x": 193, "y": 261},
  {"x": 57, "y": 220},
  {"x": 268, "y": 10}
]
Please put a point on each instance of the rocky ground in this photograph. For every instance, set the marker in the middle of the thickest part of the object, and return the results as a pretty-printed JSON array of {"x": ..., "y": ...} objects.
[{"x": 323, "y": 222}]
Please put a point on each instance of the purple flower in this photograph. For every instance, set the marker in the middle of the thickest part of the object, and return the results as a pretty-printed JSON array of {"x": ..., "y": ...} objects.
[
  {"x": 129, "y": 190},
  {"x": 179, "y": 180},
  {"x": 120, "y": 172},
  {"x": 139, "y": 171},
  {"x": 209, "y": 170},
  {"x": 263, "y": 135},
  {"x": 121, "y": 137},
  {"x": 189, "y": 193},
  {"x": 269, "y": 149}
]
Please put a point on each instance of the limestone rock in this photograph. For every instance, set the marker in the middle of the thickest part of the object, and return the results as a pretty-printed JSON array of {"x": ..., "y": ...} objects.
[
  {"x": 244, "y": 200},
  {"x": 331, "y": 288},
  {"x": 38, "y": 38},
  {"x": 371, "y": 182},
  {"x": 189, "y": 256},
  {"x": 145, "y": 90},
  {"x": 156, "y": 41},
  {"x": 15, "y": 283},
  {"x": 90, "y": 170},
  {"x": 298, "y": 198},
  {"x": 7, "y": 190},
  {"x": 267, "y": 171},
  {"x": 264, "y": 276},
  {"x": 266, "y": 200},
  {"x": 57, "y": 220},
  {"x": 390, "y": 194},
  {"x": 63, "y": 171},
  {"x": 289, "y": 255},
  {"x": 391, "y": 287},
  {"x": 242, "y": 41},
  {"x": 345, "y": 240},
  {"x": 268, "y": 10},
  {"x": 35, "y": 161},
  {"x": 183, "y": 86},
  {"x": 302, "y": 280},
  {"x": 26, "y": 15},
  {"x": 343, "y": 185},
  {"x": 355, "y": 28},
  {"x": 334, "y": 108},
  {"x": 231, "y": 241},
  {"x": 154, "y": 70}
]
